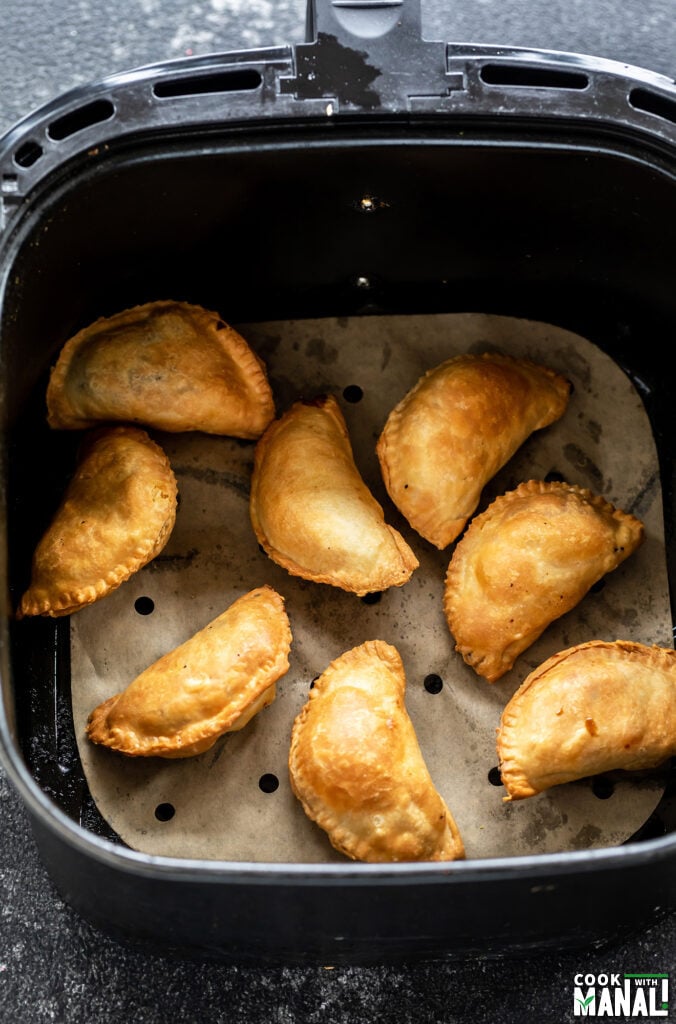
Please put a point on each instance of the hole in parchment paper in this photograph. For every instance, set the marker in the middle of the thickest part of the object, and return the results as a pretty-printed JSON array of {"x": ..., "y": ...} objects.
[
  {"x": 268, "y": 782},
  {"x": 144, "y": 605},
  {"x": 599, "y": 585},
  {"x": 372, "y": 598},
  {"x": 314, "y": 681},
  {"x": 602, "y": 788},
  {"x": 494, "y": 777},
  {"x": 353, "y": 393},
  {"x": 554, "y": 477},
  {"x": 433, "y": 683},
  {"x": 165, "y": 812}
]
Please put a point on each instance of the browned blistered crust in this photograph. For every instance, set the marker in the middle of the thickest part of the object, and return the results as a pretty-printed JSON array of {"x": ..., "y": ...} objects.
[
  {"x": 528, "y": 559},
  {"x": 172, "y": 366},
  {"x": 116, "y": 515},
  {"x": 357, "y": 769},
  {"x": 312, "y": 512},
  {"x": 453, "y": 431},
  {"x": 595, "y": 707},
  {"x": 213, "y": 683}
]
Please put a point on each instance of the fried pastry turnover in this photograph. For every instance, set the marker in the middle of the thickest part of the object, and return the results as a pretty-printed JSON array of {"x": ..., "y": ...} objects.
[
  {"x": 311, "y": 511},
  {"x": 169, "y": 365},
  {"x": 116, "y": 515},
  {"x": 455, "y": 429},
  {"x": 528, "y": 559},
  {"x": 357, "y": 769},
  {"x": 596, "y": 707},
  {"x": 213, "y": 683}
]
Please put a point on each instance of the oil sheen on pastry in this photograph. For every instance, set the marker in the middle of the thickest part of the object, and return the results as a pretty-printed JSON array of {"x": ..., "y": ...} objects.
[
  {"x": 455, "y": 429},
  {"x": 312, "y": 512},
  {"x": 213, "y": 683},
  {"x": 528, "y": 559},
  {"x": 597, "y": 707},
  {"x": 116, "y": 515},
  {"x": 168, "y": 365},
  {"x": 357, "y": 769}
]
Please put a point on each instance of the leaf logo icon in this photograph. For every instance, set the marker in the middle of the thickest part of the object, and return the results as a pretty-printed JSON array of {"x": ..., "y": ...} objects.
[{"x": 585, "y": 1002}]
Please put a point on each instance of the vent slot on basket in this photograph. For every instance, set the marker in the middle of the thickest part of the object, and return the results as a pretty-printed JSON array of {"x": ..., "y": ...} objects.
[
  {"x": 653, "y": 103},
  {"x": 83, "y": 117},
  {"x": 535, "y": 78},
  {"x": 28, "y": 154},
  {"x": 196, "y": 85}
]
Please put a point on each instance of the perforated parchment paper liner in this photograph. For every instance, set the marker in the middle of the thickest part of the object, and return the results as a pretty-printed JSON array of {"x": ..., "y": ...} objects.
[{"x": 224, "y": 804}]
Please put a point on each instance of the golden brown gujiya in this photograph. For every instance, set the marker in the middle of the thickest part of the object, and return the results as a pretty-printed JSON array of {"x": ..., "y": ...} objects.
[
  {"x": 357, "y": 769},
  {"x": 172, "y": 366},
  {"x": 528, "y": 559},
  {"x": 116, "y": 515},
  {"x": 596, "y": 707},
  {"x": 311, "y": 511},
  {"x": 213, "y": 683},
  {"x": 456, "y": 428}
]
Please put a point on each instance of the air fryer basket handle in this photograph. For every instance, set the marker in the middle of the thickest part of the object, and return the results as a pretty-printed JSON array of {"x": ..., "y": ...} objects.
[
  {"x": 368, "y": 54},
  {"x": 364, "y": 19}
]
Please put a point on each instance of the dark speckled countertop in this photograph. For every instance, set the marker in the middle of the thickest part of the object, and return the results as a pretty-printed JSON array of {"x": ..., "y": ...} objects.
[{"x": 55, "y": 967}]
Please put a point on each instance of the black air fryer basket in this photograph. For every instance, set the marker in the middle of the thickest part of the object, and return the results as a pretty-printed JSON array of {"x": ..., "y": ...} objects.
[{"x": 366, "y": 172}]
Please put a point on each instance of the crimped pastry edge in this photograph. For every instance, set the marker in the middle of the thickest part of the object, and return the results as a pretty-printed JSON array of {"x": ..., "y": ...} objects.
[
  {"x": 527, "y": 487},
  {"x": 513, "y": 776},
  {"x": 194, "y": 735},
  {"x": 389, "y": 441},
  {"x": 60, "y": 415},
  {"x": 72, "y": 601},
  {"x": 340, "y": 838},
  {"x": 409, "y": 562}
]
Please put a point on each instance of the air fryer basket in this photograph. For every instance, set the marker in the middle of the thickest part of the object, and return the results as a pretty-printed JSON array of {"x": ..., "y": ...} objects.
[{"x": 366, "y": 172}]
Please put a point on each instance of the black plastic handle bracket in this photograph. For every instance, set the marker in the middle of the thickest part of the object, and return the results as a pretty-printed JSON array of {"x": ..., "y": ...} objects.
[{"x": 368, "y": 55}]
